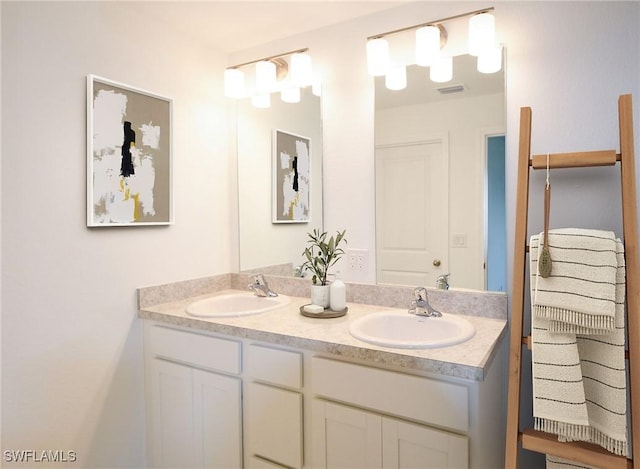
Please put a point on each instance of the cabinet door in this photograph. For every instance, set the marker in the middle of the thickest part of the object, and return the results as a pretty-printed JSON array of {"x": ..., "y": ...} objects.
[
  {"x": 171, "y": 415},
  {"x": 407, "y": 445},
  {"x": 345, "y": 437},
  {"x": 274, "y": 421},
  {"x": 217, "y": 410}
]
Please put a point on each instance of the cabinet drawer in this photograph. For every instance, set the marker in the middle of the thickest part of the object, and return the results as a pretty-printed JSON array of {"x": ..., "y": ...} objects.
[
  {"x": 413, "y": 397},
  {"x": 275, "y": 366},
  {"x": 195, "y": 349}
]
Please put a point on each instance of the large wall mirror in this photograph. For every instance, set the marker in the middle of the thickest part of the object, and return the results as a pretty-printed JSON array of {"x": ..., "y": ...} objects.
[
  {"x": 440, "y": 195},
  {"x": 265, "y": 245}
]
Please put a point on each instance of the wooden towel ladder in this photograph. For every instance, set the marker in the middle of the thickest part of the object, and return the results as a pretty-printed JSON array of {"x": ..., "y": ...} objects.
[{"x": 530, "y": 439}]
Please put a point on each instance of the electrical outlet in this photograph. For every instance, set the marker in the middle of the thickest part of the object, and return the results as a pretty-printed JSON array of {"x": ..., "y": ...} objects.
[{"x": 358, "y": 260}]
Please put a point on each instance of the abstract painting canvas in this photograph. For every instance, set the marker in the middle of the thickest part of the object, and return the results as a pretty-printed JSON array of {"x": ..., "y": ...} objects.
[
  {"x": 129, "y": 166},
  {"x": 291, "y": 177}
]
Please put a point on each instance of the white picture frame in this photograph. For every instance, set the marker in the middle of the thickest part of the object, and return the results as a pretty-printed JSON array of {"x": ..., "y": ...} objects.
[{"x": 129, "y": 155}]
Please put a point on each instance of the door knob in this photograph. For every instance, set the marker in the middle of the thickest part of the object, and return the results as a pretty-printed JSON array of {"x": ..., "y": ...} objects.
[{"x": 436, "y": 262}]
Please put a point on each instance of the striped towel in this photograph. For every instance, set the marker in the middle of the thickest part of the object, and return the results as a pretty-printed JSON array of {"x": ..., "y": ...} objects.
[
  {"x": 580, "y": 295},
  {"x": 579, "y": 380}
]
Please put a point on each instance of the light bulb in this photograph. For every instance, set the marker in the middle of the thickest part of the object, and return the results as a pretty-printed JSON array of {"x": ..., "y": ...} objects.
[
  {"x": 442, "y": 70},
  {"x": 377, "y": 56},
  {"x": 261, "y": 100},
  {"x": 482, "y": 32},
  {"x": 427, "y": 45},
  {"x": 301, "y": 70},
  {"x": 490, "y": 61},
  {"x": 290, "y": 95},
  {"x": 234, "y": 83},
  {"x": 265, "y": 76},
  {"x": 396, "y": 78}
]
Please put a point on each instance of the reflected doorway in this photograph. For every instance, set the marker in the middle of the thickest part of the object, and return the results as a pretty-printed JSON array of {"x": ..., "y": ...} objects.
[{"x": 495, "y": 260}]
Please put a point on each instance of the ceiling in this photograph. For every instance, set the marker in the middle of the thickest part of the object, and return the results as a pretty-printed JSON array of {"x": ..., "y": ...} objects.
[{"x": 231, "y": 26}]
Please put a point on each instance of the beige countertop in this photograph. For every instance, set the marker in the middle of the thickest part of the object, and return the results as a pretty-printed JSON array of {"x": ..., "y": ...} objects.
[{"x": 286, "y": 326}]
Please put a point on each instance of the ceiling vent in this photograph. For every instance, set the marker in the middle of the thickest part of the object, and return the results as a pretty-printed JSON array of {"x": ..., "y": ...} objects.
[{"x": 450, "y": 89}]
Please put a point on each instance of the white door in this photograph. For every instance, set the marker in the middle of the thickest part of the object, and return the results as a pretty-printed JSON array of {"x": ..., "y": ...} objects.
[
  {"x": 345, "y": 437},
  {"x": 407, "y": 445},
  {"x": 412, "y": 212}
]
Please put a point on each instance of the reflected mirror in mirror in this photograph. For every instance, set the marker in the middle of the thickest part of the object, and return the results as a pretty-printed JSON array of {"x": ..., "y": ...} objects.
[
  {"x": 440, "y": 196},
  {"x": 275, "y": 248}
]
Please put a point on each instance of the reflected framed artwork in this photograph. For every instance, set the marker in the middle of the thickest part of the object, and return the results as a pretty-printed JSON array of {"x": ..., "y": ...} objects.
[
  {"x": 291, "y": 177},
  {"x": 129, "y": 155}
]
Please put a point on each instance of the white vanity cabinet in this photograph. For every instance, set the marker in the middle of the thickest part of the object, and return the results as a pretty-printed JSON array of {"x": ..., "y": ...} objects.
[
  {"x": 193, "y": 412},
  {"x": 346, "y": 436},
  {"x": 219, "y": 401},
  {"x": 349, "y": 436}
]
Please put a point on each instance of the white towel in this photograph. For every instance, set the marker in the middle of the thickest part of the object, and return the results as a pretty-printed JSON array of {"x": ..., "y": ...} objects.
[
  {"x": 579, "y": 380},
  {"x": 580, "y": 294}
]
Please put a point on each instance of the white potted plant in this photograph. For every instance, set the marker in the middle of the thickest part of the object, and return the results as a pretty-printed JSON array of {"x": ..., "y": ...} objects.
[{"x": 320, "y": 255}]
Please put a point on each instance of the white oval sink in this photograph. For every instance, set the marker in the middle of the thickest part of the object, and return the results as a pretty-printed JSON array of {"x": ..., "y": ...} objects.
[
  {"x": 399, "y": 329},
  {"x": 235, "y": 304}
]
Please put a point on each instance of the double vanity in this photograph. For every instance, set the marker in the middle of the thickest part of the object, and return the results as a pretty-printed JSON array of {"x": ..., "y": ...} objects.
[{"x": 234, "y": 380}]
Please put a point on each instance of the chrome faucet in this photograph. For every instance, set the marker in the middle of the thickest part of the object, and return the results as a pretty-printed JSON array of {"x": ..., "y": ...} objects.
[
  {"x": 442, "y": 282},
  {"x": 420, "y": 306},
  {"x": 260, "y": 287}
]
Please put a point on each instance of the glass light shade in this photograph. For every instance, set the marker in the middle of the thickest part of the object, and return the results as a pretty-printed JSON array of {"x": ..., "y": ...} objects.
[
  {"x": 442, "y": 70},
  {"x": 316, "y": 88},
  {"x": 261, "y": 100},
  {"x": 265, "y": 76},
  {"x": 490, "y": 61},
  {"x": 378, "y": 56},
  {"x": 301, "y": 70},
  {"x": 234, "y": 83},
  {"x": 427, "y": 45},
  {"x": 482, "y": 33},
  {"x": 396, "y": 78},
  {"x": 290, "y": 95}
]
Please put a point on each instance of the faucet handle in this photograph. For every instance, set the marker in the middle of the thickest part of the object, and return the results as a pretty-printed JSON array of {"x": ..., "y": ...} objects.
[
  {"x": 420, "y": 294},
  {"x": 442, "y": 282}
]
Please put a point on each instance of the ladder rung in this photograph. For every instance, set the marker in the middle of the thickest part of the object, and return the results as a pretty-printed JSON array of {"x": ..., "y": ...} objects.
[
  {"x": 575, "y": 160},
  {"x": 578, "y": 451}
]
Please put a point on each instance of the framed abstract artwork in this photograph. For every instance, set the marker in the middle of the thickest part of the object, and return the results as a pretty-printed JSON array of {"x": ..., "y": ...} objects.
[
  {"x": 129, "y": 155},
  {"x": 291, "y": 177}
]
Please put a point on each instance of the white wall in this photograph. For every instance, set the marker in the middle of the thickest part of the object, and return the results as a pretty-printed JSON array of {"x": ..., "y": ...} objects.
[
  {"x": 72, "y": 345},
  {"x": 466, "y": 167}
]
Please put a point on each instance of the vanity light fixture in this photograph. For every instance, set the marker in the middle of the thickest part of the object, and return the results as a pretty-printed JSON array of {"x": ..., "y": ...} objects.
[
  {"x": 272, "y": 74},
  {"x": 430, "y": 38}
]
